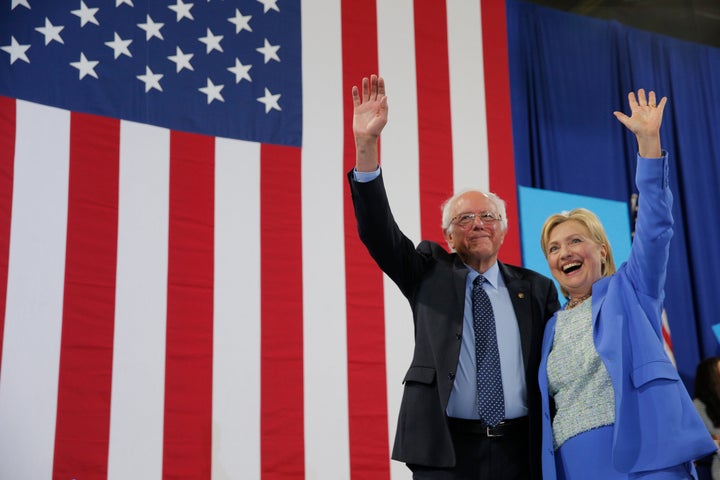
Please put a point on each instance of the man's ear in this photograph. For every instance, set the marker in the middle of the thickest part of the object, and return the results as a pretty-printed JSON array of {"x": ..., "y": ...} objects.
[{"x": 447, "y": 233}]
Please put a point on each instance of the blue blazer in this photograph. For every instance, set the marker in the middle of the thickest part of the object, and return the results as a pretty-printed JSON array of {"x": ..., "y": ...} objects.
[{"x": 656, "y": 424}]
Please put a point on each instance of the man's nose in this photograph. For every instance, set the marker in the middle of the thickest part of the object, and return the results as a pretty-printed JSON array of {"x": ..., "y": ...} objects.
[{"x": 478, "y": 220}]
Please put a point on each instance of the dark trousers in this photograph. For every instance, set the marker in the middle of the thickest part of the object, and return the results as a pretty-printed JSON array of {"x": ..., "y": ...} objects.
[{"x": 483, "y": 457}]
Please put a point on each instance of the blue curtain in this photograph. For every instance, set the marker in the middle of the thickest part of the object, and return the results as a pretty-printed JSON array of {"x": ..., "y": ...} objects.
[{"x": 568, "y": 73}]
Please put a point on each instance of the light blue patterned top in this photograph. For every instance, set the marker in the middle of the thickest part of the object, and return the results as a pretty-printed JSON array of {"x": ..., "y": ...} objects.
[{"x": 578, "y": 379}]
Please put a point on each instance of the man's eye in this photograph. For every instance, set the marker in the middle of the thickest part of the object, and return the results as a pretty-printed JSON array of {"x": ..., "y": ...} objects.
[
  {"x": 467, "y": 217},
  {"x": 487, "y": 217}
]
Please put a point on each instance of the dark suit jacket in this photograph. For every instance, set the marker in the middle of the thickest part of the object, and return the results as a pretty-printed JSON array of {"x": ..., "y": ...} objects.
[{"x": 433, "y": 281}]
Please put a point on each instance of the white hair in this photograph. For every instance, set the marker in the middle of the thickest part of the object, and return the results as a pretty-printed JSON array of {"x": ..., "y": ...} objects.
[{"x": 449, "y": 204}]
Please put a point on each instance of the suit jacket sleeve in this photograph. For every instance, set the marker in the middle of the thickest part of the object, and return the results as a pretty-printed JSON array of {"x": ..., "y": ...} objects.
[{"x": 394, "y": 253}]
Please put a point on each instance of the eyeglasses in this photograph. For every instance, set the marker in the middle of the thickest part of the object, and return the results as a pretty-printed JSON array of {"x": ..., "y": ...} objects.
[{"x": 464, "y": 220}]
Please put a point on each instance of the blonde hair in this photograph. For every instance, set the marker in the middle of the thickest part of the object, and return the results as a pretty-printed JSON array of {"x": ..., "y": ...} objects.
[{"x": 590, "y": 221}]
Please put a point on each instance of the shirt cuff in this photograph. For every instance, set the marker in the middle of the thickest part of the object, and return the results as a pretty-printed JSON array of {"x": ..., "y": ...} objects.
[{"x": 364, "y": 177}]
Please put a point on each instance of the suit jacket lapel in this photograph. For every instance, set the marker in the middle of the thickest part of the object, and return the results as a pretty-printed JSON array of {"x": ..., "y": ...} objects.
[
  {"x": 460, "y": 273},
  {"x": 519, "y": 291}
]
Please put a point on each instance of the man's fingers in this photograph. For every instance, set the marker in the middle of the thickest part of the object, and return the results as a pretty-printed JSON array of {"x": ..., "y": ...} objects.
[
  {"x": 356, "y": 96},
  {"x": 373, "y": 88}
]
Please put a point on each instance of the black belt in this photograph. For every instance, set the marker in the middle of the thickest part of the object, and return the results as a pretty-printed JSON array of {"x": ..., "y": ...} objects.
[{"x": 503, "y": 428}]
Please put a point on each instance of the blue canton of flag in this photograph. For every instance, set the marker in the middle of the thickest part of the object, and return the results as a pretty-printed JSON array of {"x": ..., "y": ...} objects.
[{"x": 223, "y": 68}]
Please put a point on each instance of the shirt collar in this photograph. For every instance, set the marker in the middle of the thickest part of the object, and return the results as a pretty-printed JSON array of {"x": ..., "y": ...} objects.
[{"x": 491, "y": 274}]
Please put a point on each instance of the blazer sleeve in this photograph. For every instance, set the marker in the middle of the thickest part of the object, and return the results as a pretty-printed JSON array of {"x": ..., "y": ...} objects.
[{"x": 647, "y": 263}]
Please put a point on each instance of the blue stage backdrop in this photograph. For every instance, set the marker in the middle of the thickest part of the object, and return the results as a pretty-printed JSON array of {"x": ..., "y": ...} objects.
[{"x": 568, "y": 74}]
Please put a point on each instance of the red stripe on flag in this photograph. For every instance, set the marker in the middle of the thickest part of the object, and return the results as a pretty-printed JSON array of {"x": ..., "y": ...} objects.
[
  {"x": 501, "y": 162},
  {"x": 667, "y": 338},
  {"x": 7, "y": 159},
  {"x": 83, "y": 409},
  {"x": 367, "y": 390},
  {"x": 188, "y": 371},
  {"x": 434, "y": 121},
  {"x": 282, "y": 447}
]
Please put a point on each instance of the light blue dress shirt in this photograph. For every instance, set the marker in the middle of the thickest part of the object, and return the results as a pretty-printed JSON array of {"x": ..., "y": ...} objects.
[{"x": 463, "y": 403}]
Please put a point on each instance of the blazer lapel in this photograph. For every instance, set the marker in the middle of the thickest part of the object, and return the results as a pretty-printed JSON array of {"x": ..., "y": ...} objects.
[
  {"x": 519, "y": 291},
  {"x": 460, "y": 273}
]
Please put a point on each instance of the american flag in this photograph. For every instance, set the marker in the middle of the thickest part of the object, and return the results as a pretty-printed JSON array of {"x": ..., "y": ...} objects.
[
  {"x": 182, "y": 290},
  {"x": 208, "y": 68}
]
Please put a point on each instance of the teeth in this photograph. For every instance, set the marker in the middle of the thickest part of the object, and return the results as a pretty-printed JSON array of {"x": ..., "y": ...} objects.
[{"x": 569, "y": 266}]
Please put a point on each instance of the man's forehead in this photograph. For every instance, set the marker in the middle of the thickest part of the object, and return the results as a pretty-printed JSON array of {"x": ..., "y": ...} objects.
[{"x": 477, "y": 200}]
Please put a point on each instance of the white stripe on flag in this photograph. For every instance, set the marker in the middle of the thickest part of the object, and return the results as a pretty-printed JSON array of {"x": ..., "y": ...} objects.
[
  {"x": 467, "y": 95},
  {"x": 138, "y": 378},
  {"x": 327, "y": 454},
  {"x": 33, "y": 320},
  {"x": 236, "y": 327}
]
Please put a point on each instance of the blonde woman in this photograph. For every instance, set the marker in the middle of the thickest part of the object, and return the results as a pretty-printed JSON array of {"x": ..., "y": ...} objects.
[{"x": 613, "y": 404}]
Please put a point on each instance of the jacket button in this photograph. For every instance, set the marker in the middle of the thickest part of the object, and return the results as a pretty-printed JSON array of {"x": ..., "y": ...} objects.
[
  {"x": 458, "y": 336},
  {"x": 451, "y": 375}
]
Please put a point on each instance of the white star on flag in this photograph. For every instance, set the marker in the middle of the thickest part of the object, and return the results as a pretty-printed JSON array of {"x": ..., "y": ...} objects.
[
  {"x": 51, "y": 32},
  {"x": 120, "y": 46},
  {"x": 15, "y": 3},
  {"x": 151, "y": 28},
  {"x": 85, "y": 66},
  {"x": 16, "y": 51},
  {"x": 212, "y": 91},
  {"x": 87, "y": 15},
  {"x": 269, "y": 51},
  {"x": 241, "y": 22},
  {"x": 182, "y": 10},
  {"x": 269, "y": 4},
  {"x": 241, "y": 71},
  {"x": 212, "y": 41},
  {"x": 270, "y": 101},
  {"x": 151, "y": 80},
  {"x": 120, "y": 2},
  {"x": 181, "y": 60}
]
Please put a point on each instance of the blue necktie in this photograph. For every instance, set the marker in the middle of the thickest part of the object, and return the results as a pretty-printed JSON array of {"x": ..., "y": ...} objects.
[{"x": 490, "y": 399}]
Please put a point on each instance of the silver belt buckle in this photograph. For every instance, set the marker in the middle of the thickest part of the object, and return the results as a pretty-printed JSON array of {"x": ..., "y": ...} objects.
[{"x": 489, "y": 430}]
